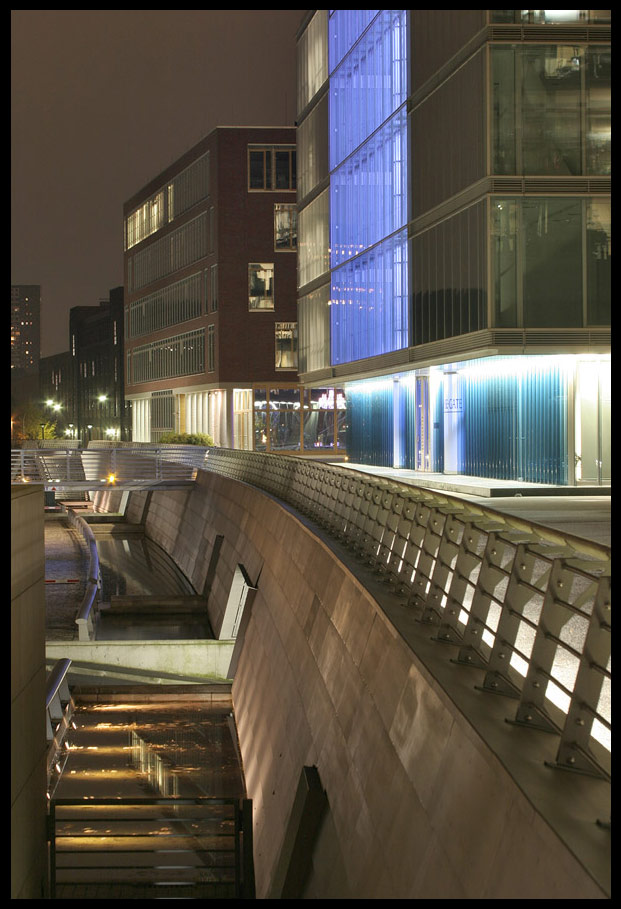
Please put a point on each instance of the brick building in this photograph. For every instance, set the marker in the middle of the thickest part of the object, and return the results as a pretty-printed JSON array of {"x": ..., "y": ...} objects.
[{"x": 211, "y": 298}]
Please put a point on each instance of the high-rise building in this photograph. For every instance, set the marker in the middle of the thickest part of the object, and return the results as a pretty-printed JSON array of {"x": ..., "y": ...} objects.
[
  {"x": 454, "y": 236},
  {"x": 211, "y": 328},
  {"x": 25, "y": 327}
]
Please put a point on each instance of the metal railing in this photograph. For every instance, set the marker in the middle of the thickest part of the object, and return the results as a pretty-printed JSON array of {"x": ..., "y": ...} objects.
[
  {"x": 529, "y": 605},
  {"x": 96, "y": 468},
  {"x": 88, "y": 613},
  {"x": 58, "y": 712},
  {"x": 163, "y": 848}
]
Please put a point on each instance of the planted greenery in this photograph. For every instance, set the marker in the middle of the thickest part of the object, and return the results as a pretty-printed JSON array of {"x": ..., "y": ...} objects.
[{"x": 187, "y": 438}]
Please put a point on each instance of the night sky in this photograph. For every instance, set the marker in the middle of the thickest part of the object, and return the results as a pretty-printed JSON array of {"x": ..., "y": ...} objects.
[{"x": 101, "y": 102}]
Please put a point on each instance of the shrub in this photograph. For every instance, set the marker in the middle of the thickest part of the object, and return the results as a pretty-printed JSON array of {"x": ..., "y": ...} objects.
[{"x": 187, "y": 438}]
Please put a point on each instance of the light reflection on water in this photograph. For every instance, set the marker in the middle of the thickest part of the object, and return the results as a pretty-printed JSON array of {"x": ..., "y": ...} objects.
[
  {"x": 147, "y": 748},
  {"x": 137, "y": 566}
]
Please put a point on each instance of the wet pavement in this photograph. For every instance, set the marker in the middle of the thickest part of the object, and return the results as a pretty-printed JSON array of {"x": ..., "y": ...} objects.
[
  {"x": 130, "y": 566},
  {"x": 130, "y": 760}
]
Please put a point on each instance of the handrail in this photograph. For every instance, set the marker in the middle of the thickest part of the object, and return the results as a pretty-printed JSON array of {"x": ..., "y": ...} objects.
[
  {"x": 58, "y": 711},
  {"x": 218, "y": 830},
  {"x": 528, "y": 604},
  {"x": 86, "y": 618},
  {"x": 56, "y": 682},
  {"x": 103, "y": 467}
]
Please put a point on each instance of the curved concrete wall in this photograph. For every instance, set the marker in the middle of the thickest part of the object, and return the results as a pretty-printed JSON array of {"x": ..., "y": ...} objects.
[{"x": 419, "y": 805}]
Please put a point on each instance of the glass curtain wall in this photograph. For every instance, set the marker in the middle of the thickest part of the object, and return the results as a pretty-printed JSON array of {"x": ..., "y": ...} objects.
[
  {"x": 551, "y": 110},
  {"x": 551, "y": 262},
  {"x": 368, "y": 184},
  {"x": 293, "y": 419}
]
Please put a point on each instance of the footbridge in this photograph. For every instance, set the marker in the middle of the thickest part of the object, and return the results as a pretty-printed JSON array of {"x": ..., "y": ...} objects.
[{"x": 444, "y": 669}]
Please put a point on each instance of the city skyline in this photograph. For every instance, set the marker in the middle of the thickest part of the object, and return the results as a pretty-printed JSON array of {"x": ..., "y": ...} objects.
[{"x": 102, "y": 101}]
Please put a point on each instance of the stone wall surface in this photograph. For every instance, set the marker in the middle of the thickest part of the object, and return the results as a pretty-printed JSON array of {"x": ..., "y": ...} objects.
[
  {"x": 418, "y": 805},
  {"x": 28, "y": 680}
]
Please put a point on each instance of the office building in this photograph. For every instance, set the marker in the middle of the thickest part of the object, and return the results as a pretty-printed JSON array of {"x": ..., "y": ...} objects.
[
  {"x": 454, "y": 233},
  {"x": 57, "y": 394},
  {"x": 96, "y": 349},
  {"x": 25, "y": 327},
  {"x": 211, "y": 328}
]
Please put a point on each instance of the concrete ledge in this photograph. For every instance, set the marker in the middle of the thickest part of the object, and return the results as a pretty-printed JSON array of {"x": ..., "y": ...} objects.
[{"x": 192, "y": 661}]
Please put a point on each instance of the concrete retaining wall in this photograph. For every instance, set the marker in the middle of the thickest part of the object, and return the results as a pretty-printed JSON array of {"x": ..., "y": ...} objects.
[
  {"x": 28, "y": 688},
  {"x": 199, "y": 661},
  {"x": 419, "y": 806}
]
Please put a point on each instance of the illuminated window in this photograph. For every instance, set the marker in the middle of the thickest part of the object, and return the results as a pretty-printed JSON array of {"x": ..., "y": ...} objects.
[
  {"x": 285, "y": 227},
  {"x": 260, "y": 286},
  {"x": 286, "y": 345}
]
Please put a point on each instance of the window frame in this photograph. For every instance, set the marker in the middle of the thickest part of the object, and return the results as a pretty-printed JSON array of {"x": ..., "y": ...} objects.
[{"x": 270, "y": 170}]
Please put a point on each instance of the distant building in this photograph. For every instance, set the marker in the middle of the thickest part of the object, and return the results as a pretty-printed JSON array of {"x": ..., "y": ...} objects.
[
  {"x": 57, "y": 393},
  {"x": 96, "y": 349},
  {"x": 210, "y": 299},
  {"x": 25, "y": 327},
  {"x": 455, "y": 236}
]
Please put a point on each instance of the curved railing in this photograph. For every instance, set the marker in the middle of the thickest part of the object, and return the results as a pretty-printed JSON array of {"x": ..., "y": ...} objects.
[
  {"x": 131, "y": 466},
  {"x": 86, "y": 618},
  {"x": 528, "y": 604}
]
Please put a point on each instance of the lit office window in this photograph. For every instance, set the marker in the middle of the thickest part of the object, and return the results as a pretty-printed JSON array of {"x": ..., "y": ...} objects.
[
  {"x": 145, "y": 220},
  {"x": 286, "y": 345},
  {"x": 312, "y": 59},
  {"x": 285, "y": 227},
  {"x": 260, "y": 286},
  {"x": 551, "y": 110},
  {"x": 178, "y": 249},
  {"x": 551, "y": 16}
]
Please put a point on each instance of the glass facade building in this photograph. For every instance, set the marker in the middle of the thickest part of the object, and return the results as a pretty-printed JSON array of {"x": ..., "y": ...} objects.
[{"x": 455, "y": 236}]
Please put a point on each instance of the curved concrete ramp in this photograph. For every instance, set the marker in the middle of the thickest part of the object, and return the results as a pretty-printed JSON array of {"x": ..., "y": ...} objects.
[{"x": 430, "y": 792}]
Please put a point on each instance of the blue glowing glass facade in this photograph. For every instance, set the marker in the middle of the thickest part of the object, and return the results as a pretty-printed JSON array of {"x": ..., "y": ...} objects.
[
  {"x": 368, "y": 182},
  {"x": 506, "y": 418},
  {"x": 448, "y": 239}
]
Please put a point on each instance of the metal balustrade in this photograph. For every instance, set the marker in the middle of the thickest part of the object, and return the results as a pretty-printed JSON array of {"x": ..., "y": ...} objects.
[
  {"x": 527, "y": 604},
  {"x": 96, "y": 468}
]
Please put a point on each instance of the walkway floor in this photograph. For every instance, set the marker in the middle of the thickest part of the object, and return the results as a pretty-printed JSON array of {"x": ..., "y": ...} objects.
[
  {"x": 583, "y": 511},
  {"x": 66, "y": 571}
]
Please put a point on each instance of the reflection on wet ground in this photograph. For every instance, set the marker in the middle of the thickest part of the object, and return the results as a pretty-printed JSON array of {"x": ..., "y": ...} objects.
[
  {"x": 147, "y": 591},
  {"x": 135, "y": 565},
  {"x": 133, "y": 746}
]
